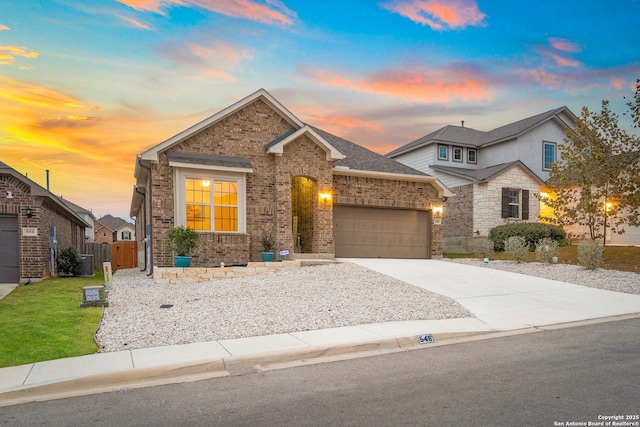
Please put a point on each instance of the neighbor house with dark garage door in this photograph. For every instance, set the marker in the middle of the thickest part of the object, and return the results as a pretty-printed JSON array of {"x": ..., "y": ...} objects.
[
  {"x": 255, "y": 168},
  {"x": 33, "y": 224}
]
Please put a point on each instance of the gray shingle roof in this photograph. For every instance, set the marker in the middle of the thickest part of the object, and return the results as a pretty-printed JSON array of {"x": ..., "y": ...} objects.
[
  {"x": 113, "y": 223},
  {"x": 202, "y": 159},
  {"x": 360, "y": 158},
  {"x": 475, "y": 138},
  {"x": 484, "y": 174}
]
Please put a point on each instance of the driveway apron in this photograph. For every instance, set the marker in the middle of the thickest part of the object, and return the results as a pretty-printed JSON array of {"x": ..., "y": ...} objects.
[{"x": 506, "y": 300}]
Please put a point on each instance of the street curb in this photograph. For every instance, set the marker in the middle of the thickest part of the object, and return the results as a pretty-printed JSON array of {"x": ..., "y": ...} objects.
[{"x": 240, "y": 365}]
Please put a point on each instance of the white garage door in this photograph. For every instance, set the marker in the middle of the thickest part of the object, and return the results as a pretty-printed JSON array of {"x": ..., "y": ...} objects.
[{"x": 363, "y": 232}]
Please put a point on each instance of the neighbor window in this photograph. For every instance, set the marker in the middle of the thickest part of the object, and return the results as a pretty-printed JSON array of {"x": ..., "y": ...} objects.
[
  {"x": 471, "y": 155},
  {"x": 126, "y": 235},
  {"x": 443, "y": 152},
  {"x": 457, "y": 154},
  {"x": 548, "y": 155},
  {"x": 211, "y": 201},
  {"x": 515, "y": 203}
]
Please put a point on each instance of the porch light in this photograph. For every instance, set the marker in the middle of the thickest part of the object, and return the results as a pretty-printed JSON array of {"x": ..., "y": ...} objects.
[
  {"x": 608, "y": 206},
  {"x": 29, "y": 213},
  {"x": 437, "y": 210},
  {"x": 325, "y": 197}
]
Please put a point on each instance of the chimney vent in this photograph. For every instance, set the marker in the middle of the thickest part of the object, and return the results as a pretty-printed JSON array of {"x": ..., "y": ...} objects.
[{"x": 462, "y": 123}]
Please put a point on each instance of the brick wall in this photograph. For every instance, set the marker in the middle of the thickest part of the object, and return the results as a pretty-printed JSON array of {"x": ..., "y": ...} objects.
[
  {"x": 457, "y": 218},
  {"x": 34, "y": 250}
]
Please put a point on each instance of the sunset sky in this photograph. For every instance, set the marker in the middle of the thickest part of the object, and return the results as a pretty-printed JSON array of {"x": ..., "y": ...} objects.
[{"x": 86, "y": 85}]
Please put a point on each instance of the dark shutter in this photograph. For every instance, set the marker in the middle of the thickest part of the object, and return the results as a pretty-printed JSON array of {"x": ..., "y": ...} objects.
[
  {"x": 505, "y": 202},
  {"x": 525, "y": 204}
]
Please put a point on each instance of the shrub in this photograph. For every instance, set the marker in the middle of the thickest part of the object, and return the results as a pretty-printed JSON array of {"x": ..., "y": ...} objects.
[
  {"x": 69, "y": 262},
  {"x": 183, "y": 240},
  {"x": 546, "y": 249},
  {"x": 483, "y": 248},
  {"x": 516, "y": 248},
  {"x": 531, "y": 231},
  {"x": 590, "y": 255}
]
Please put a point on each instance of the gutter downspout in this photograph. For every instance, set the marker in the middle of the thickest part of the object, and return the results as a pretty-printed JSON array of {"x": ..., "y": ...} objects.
[
  {"x": 144, "y": 221},
  {"x": 149, "y": 189}
]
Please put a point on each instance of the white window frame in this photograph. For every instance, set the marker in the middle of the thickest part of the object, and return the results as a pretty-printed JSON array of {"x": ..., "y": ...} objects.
[
  {"x": 126, "y": 235},
  {"x": 475, "y": 156},
  {"x": 519, "y": 204},
  {"x": 446, "y": 156},
  {"x": 456, "y": 149},
  {"x": 180, "y": 202},
  {"x": 544, "y": 154}
]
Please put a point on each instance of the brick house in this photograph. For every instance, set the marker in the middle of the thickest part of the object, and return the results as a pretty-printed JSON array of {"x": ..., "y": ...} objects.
[
  {"x": 109, "y": 229},
  {"x": 494, "y": 175},
  {"x": 255, "y": 168},
  {"x": 33, "y": 224}
]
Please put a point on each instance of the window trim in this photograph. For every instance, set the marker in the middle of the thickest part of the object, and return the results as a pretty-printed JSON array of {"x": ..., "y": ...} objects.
[
  {"x": 544, "y": 154},
  {"x": 180, "y": 215},
  {"x": 446, "y": 156},
  {"x": 453, "y": 154},
  {"x": 475, "y": 156}
]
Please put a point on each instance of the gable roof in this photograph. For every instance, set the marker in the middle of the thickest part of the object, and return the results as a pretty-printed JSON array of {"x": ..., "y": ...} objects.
[
  {"x": 261, "y": 94},
  {"x": 474, "y": 138},
  {"x": 38, "y": 191},
  {"x": 485, "y": 174},
  {"x": 277, "y": 145},
  {"x": 113, "y": 223},
  {"x": 77, "y": 209}
]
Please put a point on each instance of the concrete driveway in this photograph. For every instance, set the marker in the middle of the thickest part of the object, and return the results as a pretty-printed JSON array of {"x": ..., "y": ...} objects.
[{"x": 506, "y": 300}]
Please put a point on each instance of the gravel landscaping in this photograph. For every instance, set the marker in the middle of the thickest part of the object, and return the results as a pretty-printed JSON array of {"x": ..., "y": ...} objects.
[{"x": 293, "y": 300}]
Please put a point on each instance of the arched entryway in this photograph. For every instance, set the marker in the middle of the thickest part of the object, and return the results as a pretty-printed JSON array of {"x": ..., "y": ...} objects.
[{"x": 303, "y": 205}]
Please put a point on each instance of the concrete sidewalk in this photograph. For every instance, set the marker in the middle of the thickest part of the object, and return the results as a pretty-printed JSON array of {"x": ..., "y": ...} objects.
[{"x": 501, "y": 302}]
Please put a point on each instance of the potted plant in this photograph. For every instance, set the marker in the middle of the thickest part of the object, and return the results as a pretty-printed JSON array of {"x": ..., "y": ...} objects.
[
  {"x": 267, "y": 246},
  {"x": 182, "y": 241}
]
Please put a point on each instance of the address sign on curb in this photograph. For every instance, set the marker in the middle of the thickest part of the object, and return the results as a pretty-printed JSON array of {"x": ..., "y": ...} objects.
[{"x": 425, "y": 339}]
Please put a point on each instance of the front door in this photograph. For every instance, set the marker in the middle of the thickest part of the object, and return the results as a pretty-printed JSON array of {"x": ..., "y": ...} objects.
[{"x": 303, "y": 192}]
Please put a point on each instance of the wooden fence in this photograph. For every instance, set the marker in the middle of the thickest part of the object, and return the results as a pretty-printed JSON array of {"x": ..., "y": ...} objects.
[
  {"x": 119, "y": 254},
  {"x": 101, "y": 253}
]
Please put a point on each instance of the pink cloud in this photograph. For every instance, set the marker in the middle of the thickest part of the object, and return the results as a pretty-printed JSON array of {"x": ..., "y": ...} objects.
[
  {"x": 559, "y": 51},
  {"x": 4, "y": 28},
  {"x": 271, "y": 12},
  {"x": 438, "y": 14},
  {"x": 564, "y": 45},
  {"x": 415, "y": 84},
  {"x": 212, "y": 58},
  {"x": 135, "y": 23}
]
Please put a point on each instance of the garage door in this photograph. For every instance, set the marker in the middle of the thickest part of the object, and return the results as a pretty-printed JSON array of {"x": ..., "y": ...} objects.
[
  {"x": 9, "y": 265},
  {"x": 362, "y": 232}
]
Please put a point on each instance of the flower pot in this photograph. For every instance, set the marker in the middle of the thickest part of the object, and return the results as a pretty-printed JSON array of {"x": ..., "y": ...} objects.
[
  {"x": 182, "y": 261},
  {"x": 267, "y": 256}
]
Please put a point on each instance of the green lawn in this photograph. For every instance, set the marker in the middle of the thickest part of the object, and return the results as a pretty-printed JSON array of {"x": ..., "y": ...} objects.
[
  {"x": 44, "y": 321},
  {"x": 623, "y": 258}
]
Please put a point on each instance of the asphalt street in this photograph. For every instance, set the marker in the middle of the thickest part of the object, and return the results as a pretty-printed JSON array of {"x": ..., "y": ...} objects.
[{"x": 548, "y": 378}]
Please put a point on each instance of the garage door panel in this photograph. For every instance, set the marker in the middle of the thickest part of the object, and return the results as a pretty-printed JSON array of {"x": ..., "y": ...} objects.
[
  {"x": 9, "y": 254},
  {"x": 381, "y": 233}
]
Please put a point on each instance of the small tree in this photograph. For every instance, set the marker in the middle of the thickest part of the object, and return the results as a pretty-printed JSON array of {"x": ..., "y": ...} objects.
[
  {"x": 516, "y": 248},
  {"x": 595, "y": 179},
  {"x": 69, "y": 261}
]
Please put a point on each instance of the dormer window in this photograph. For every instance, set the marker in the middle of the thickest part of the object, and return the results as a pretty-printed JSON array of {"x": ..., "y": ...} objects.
[
  {"x": 443, "y": 152},
  {"x": 457, "y": 154},
  {"x": 472, "y": 155}
]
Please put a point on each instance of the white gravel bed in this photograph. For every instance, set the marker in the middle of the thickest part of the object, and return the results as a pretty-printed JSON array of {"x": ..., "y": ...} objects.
[
  {"x": 291, "y": 300},
  {"x": 610, "y": 280}
]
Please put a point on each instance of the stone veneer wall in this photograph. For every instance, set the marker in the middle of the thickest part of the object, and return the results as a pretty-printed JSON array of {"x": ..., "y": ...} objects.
[
  {"x": 457, "y": 218},
  {"x": 487, "y": 199},
  {"x": 388, "y": 193},
  {"x": 173, "y": 275}
]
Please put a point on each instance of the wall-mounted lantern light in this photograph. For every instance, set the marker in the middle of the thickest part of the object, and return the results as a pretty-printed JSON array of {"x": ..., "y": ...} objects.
[
  {"x": 437, "y": 211},
  {"x": 29, "y": 212},
  {"x": 325, "y": 197}
]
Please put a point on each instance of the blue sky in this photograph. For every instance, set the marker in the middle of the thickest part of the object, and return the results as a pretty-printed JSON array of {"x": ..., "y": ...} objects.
[{"x": 86, "y": 85}]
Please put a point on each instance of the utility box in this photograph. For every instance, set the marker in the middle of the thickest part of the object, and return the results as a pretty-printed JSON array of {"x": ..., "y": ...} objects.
[{"x": 87, "y": 265}]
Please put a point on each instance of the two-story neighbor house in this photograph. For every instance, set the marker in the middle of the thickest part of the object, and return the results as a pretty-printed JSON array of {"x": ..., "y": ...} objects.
[
  {"x": 495, "y": 175},
  {"x": 113, "y": 229},
  {"x": 255, "y": 168}
]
